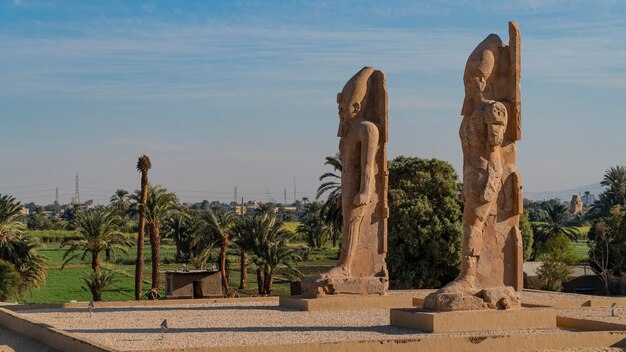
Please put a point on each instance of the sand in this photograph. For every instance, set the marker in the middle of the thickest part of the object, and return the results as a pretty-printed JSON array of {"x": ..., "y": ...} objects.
[{"x": 229, "y": 324}]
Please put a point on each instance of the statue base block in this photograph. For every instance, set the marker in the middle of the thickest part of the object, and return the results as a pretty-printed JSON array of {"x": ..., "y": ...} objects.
[
  {"x": 474, "y": 320},
  {"x": 314, "y": 287},
  {"x": 346, "y": 302}
]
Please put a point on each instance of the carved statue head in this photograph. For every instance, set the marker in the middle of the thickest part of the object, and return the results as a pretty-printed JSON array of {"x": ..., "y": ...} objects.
[
  {"x": 352, "y": 99},
  {"x": 496, "y": 123}
]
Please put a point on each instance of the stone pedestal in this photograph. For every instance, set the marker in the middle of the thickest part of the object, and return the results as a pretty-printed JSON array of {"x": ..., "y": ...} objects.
[
  {"x": 346, "y": 302},
  {"x": 313, "y": 287},
  {"x": 476, "y": 320}
]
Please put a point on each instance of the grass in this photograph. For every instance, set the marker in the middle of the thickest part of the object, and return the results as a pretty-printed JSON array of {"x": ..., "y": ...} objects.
[
  {"x": 581, "y": 249},
  {"x": 64, "y": 285},
  {"x": 291, "y": 225}
]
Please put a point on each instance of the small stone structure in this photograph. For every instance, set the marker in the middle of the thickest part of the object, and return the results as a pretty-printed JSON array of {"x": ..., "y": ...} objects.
[
  {"x": 363, "y": 147},
  {"x": 576, "y": 204},
  {"x": 193, "y": 284},
  {"x": 491, "y": 263}
]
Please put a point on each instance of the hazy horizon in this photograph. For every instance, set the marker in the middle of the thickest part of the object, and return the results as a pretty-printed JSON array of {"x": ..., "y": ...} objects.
[{"x": 224, "y": 94}]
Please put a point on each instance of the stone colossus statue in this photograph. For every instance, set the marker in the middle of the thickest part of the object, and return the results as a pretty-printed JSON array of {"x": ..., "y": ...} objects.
[
  {"x": 491, "y": 264},
  {"x": 363, "y": 132}
]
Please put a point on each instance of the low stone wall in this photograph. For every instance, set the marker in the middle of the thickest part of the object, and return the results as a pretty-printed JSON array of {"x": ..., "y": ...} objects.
[
  {"x": 142, "y": 303},
  {"x": 50, "y": 336},
  {"x": 512, "y": 343}
]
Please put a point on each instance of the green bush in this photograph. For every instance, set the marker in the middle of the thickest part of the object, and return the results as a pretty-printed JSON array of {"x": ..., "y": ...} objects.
[
  {"x": 424, "y": 224},
  {"x": 556, "y": 255}
]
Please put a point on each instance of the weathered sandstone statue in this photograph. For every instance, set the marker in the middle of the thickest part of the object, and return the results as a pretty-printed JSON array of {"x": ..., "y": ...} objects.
[
  {"x": 576, "y": 204},
  {"x": 363, "y": 132},
  {"x": 491, "y": 263}
]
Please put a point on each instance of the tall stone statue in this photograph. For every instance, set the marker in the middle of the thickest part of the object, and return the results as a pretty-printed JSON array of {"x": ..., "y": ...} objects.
[
  {"x": 363, "y": 148},
  {"x": 576, "y": 204},
  {"x": 491, "y": 264}
]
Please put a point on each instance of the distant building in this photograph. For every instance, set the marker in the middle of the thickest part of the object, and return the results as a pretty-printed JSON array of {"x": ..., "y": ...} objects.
[
  {"x": 25, "y": 211},
  {"x": 88, "y": 205}
]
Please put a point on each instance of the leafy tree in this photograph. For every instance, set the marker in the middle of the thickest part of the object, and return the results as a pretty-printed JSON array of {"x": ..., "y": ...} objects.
[
  {"x": 331, "y": 185},
  {"x": 424, "y": 224},
  {"x": 536, "y": 212},
  {"x": 11, "y": 281},
  {"x": 607, "y": 246},
  {"x": 558, "y": 216},
  {"x": 221, "y": 223},
  {"x": 556, "y": 255},
  {"x": 99, "y": 232},
  {"x": 98, "y": 282},
  {"x": 143, "y": 166},
  {"x": 313, "y": 227},
  {"x": 159, "y": 206},
  {"x": 527, "y": 236}
]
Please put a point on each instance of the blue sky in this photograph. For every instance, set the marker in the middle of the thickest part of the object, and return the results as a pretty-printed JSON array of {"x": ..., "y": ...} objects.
[{"x": 225, "y": 93}]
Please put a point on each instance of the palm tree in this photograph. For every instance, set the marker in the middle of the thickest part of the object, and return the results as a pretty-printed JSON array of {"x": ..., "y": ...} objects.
[
  {"x": 221, "y": 223},
  {"x": 331, "y": 184},
  {"x": 98, "y": 230},
  {"x": 183, "y": 227},
  {"x": 98, "y": 282},
  {"x": 615, "y": 180},
  {"x": 556, "y": 223},
  {"x": 158, "y": 208},
  {"x": 119, "y": 200},
  {"x": 19, "y": 249},
  {"x": 314, "y": 226},
  {"x": 143, "y": 165},
  {"x": 267, "y": 242}
]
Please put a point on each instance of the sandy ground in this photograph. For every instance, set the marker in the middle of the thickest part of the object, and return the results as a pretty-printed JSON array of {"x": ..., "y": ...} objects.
[
  {"x": 12, "y": 341},
  {"x": 606, "y": 349},
  {"x": 599, "y": 314},
  {"x": 412, "y": 293},
  {"x": 231, "y": 324},
  {"x": 546, "y": 295}
]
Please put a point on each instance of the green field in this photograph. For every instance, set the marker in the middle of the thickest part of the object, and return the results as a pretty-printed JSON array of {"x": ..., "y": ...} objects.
[
  {"x": 581, "y": 249},
  {"x": 64, "y": 285}
]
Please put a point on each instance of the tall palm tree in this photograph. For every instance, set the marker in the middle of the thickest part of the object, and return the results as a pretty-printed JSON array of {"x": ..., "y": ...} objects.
[
  {"x": 556, "y": 223},
  {"x": 221, "y": 224},
  {"x": 119, "y": 200},
  {"x": 158, "y": 208},
  {"x": 17, "y": 248},
  {"x": 98, "y": 231},
  {"x": 331, "y": 184},
  {"x": 143, "y": 166},
  {"x": 615, "y": 180}
]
